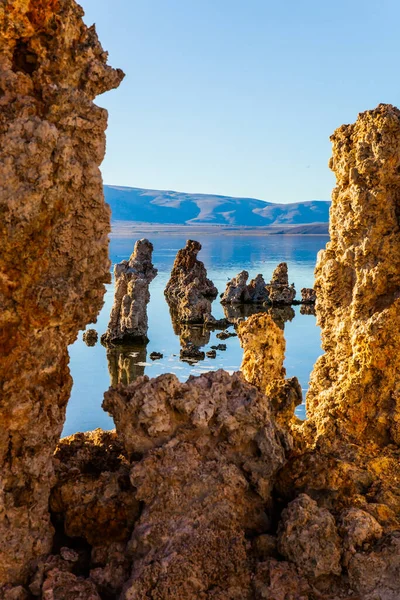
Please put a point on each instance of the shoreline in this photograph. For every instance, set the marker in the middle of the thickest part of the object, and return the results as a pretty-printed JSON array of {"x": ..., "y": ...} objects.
[{"x": 129, "y": 228}]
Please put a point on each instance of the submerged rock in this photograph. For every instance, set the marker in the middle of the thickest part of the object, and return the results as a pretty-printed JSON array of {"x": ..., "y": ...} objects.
[
  {"x": 128, "y": 319},
  {"x": 54, "y": 261},
  {"x": 90, "y": 337},
  {"x": 156, "y": 355},
  {"x": 280, "y": 292}
]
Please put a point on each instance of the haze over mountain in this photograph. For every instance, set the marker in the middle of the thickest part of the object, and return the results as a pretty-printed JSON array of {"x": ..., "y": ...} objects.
[{"x": 180, "y": 208}]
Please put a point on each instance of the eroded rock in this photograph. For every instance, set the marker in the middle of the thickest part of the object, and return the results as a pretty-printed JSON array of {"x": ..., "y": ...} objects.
[
  {"x": 357, "y": 283},
  {"x": 279, "y": 290},
  {"x": 238, "y": 291},
  {"x": 308, "y": 537},
  {"x": 210, "y": 453},
  {"x": 189, "y": 292},
  {"x": 128, "y": 318},
  {"x": 51, "y": 144},
  {"x": 90, "y": 337}
]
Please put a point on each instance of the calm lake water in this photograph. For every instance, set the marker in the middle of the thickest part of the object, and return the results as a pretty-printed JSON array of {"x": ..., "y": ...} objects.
[{"x": 94, "y": 369}]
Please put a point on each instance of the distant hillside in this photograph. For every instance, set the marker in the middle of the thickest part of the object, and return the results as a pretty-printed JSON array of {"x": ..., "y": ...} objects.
[{"x": 178, "y": 208}]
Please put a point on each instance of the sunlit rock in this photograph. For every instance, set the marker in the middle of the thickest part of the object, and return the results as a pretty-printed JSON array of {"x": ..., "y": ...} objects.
[{"x": 128, "y": 319}]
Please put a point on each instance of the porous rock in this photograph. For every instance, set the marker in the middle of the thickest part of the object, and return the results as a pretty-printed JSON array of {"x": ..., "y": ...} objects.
[
  {"x": 53, "y": 225},
  {"x": 308, "y": 296},
  {"x": 210, "y": 453},
  {"x": 128, "y": 318},
  {"x": 238, "y": 291},
  {"x": 355, "y": 382},
  {"x": 308, "y": 537},
  {"x": 90, "y": 337},
  {"x": 189, "y": 292},
  {"x": 279, "y": 290}
]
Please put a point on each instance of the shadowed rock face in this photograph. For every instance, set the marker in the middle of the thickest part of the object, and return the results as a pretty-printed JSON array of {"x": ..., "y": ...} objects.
[
  {"x": 356, "y": 382},
  {"x": 128, "y": 319},
  {"x": 53, "y": 229}
]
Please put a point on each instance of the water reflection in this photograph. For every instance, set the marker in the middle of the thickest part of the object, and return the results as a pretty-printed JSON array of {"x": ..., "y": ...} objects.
[{"x": 126, "y": 363}]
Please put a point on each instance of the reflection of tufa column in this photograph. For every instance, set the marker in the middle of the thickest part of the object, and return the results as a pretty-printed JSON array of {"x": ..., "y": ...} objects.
[
  {"x": 54, "y": 255},
  {"x": 123, "y": 363},
  {"x": 128, "y": 319}
]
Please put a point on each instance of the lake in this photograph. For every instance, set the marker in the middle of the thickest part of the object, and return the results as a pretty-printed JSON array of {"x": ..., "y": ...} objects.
[{"x": 94, "y": 368}]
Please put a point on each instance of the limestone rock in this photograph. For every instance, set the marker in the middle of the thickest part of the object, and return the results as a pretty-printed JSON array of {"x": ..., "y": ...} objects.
[
  {"x": 264, "y": 348},
  {"x": 280, "y": 292},
  {"x": 358, "y": 527},
  {"x": 376, "y": 574},
  {"x": 356, "y": 382},
  {"x": 308, "y": 296},
  {"x": 90, "y": 337},
  {"x": 128, "y": 319},
  {"x": 53, "y": 262},
  {"x": 189, "y": 292},
  {"x": 308, "y": 537},
  {"x": 258, "y": 291},
  {"x": 209, "y": 452},
  {"x": 93, "y": 498},
  {"x": 280, "y": 580},
  {"x": 238, "y": 291}
]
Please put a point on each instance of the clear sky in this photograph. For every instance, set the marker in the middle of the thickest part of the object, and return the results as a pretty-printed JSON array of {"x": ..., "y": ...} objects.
[{"x": 239, "y": 97}]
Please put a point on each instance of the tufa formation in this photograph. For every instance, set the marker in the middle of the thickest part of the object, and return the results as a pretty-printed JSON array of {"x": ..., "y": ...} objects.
[
  {"x": 53, "y": 227},
  {"x": 189, "y": 292},
  {"x": 128, "y": 318}
]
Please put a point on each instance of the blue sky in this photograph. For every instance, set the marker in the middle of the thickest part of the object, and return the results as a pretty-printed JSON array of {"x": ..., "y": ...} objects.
[{"x": 239, "y": 97}]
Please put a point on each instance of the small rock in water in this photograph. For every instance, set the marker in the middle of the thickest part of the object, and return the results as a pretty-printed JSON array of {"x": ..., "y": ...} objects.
[
  {"x": 224, "y": 335},
  {"x": 156, "y": 355},
  {"x": 191, "y": 354},
  {"x": 219, "y": 347},
  {"x": 211, "y": 354},
  {"x": 90, "y": 337}
]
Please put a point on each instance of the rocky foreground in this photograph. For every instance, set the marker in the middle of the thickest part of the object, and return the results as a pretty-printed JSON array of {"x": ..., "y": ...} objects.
[{"x": 209, "y": 489}]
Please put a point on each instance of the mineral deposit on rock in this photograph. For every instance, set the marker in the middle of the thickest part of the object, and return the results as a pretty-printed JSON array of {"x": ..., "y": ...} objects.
[
  {"x": 210, "y": 453},
  {"x": 90, "y": 337},
  {"x": 356, "y": 381},
  {"x": 238, "y": 291},
  {"x": 280, "y": 292},
  {"x": 54, "y": 256},
  {"x": 187, "y": 268},
  {"x": 308, "y": 296},
  {"x": 128, "y": 319}
]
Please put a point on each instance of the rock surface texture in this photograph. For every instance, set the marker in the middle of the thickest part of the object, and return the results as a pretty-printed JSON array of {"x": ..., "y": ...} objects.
[
  {"x": 356, "y": 381},
  {"x": 53, "y": 228},
  {"x": 189, "y": 292},
  {"x": 210, "y": 453},
  {"x": 238, "y": 291},
  {"x": 279, "y": 290},
  {"x": 208, "y": 489},
  {"x": 128, "y": 319}
]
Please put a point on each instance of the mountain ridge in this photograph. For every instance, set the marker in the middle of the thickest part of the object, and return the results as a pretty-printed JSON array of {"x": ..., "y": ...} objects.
[{"x": 168, "y": 207}]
